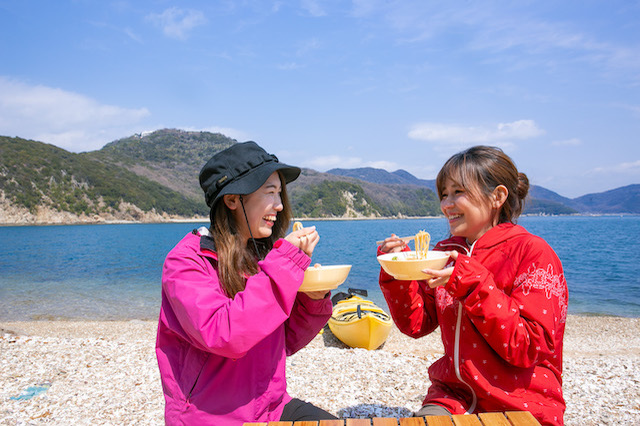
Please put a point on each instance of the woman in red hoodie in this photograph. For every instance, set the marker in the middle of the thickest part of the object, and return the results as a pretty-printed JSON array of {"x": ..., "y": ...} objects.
[{"x": 501, "y": 302}]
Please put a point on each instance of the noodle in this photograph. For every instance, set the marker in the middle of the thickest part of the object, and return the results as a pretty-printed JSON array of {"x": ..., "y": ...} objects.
[{"x": 422, "y": 240}]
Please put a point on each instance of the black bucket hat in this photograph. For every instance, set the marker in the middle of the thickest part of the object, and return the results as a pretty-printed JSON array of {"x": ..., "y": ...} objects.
[{"x": 241, "y": 169}]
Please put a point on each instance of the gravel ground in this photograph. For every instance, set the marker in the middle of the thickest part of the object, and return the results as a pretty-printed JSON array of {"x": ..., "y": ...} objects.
[{"x": 105, "y": 373}]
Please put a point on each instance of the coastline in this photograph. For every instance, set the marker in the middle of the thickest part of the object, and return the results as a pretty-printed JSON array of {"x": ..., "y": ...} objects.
[
  {"x": 315, "y": 219},
  {"x": 105, "y": 372},
  {"x": 201, "y": 219}
]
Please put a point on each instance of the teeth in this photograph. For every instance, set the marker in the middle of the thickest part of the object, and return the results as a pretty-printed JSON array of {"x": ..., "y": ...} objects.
[{"x": 270, "y": 218}]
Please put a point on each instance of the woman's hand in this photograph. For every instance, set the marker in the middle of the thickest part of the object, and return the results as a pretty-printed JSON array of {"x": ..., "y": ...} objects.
[
  {"x": 305, "y": 239},
  {"x": 393, "y": 244},
  {"x": 440, "y": 277}
]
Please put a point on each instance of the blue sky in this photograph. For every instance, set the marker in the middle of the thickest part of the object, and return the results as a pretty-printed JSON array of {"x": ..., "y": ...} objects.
[{"x": 324, "y": 84}]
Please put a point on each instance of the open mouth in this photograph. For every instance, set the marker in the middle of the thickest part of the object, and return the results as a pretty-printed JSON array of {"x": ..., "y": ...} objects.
[{"x": 269, "y": 219}]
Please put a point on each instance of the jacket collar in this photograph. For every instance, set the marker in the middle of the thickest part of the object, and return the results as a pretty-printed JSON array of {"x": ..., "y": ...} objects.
[
  {"x": 499, "y": 234},
  {"x": 492, "y": 237},
  {"x": 207, "y": 244}
]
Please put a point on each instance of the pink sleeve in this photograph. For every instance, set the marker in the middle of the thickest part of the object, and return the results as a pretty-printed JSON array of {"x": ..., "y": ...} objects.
[{"x": 207, "y": 318}]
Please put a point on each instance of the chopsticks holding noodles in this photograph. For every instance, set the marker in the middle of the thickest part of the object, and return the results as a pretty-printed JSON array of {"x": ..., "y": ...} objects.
[{"x": 405, "y": 239}]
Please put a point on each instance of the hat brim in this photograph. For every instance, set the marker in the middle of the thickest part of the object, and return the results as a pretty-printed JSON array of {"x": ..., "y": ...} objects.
[{"x": 255, "y": 178}]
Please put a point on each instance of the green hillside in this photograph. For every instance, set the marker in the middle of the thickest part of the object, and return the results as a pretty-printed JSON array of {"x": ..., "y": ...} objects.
[
  {"x": 333, "y": 199},
  {"x": 174, "y": 158},
  {"x": 36, "y": 174},
  {"x": 316, "y": 194},
  {"x": 171, "y": 157},
  {"x": 157, "y": 173}
]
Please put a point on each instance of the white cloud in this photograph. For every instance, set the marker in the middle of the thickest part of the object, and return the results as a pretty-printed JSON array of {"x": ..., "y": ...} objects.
[
  {"x": 440, "y": 133},
  {"x": 386, "y": 165},
  {"x": 313, "y": 8},
  {"x": 324, "y": 163},
  {"x": 308, "y": 46},
  {"x": 236, "y": 134},
  {"x": 177, "y": 23},
  {"x": 632, "y": 167},
  {"x": 628, "y": 168},
  {"x": 132, "y": 35},
  {"x": 518, "y": 34},
  {"x": 69, "y": 120},
  {"x": 635, "y": 109}
]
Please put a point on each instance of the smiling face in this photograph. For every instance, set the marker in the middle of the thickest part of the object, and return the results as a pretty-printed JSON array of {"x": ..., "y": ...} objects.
[
  {"x": 468, "y": 216},
  {"x": 261, "y": 206}
]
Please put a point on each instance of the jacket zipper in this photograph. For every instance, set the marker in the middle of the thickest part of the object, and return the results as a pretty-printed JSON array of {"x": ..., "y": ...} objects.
[{"x": 456, "y": 351}]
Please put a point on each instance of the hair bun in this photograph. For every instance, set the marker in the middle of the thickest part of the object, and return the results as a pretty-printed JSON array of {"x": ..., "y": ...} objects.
[{"x": 522, "y": 188}]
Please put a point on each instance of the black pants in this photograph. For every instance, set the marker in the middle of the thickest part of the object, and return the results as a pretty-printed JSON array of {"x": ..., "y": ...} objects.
[
  {"x": 297, "y": 410},
  {"x": 432, "y": 410}
]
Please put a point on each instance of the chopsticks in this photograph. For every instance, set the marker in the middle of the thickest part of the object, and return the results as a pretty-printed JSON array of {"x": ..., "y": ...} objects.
[{"x": 405, "y": 239}]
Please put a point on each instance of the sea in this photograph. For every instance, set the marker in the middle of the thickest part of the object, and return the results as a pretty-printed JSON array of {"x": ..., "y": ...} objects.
[{"x": 113, "y": 271}]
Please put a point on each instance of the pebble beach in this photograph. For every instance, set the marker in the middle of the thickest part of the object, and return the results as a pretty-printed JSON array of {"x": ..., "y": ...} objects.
[{"x": 105, "y": 373}]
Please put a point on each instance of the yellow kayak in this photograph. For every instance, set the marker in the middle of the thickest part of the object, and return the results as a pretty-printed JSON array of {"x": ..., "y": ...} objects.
[{"x": 359, "y": 323}]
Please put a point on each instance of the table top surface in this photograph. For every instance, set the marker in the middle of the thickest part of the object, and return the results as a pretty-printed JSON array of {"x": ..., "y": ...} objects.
[{"x": 509, "y": 418}]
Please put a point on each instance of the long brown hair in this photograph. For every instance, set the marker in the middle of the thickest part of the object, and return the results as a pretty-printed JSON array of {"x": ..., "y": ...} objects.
[
  {"x": 238, "y": 260},
  {"x": 480, "y": 169}
]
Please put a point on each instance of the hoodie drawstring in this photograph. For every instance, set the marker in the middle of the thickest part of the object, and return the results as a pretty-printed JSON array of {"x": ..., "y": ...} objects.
[{"x": 249, "y": 226}]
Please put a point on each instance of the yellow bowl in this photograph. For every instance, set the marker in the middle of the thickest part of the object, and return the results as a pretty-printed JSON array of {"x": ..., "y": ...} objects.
[
  {"x": 324, "y": 278},
  {"x": 404, "y": 265}
]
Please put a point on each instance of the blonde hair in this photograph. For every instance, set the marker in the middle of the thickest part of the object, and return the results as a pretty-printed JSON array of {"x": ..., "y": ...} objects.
[
  {"x": 480, "y": 169},
  {"x": 237, "y": 260}
]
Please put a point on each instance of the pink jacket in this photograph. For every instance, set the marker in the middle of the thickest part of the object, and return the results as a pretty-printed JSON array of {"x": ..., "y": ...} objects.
[
  {"x": 222, "y": 360},
  {"x": 502, "y": 317}
]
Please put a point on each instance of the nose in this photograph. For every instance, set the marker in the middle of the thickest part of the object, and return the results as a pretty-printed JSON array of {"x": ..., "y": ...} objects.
[
  {"x": 277, "y": 205},
  {"x": 445, "y": 204}
]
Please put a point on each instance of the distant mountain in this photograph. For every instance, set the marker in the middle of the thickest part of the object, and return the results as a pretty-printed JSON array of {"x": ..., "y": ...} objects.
[
  {"x": 543, "y": 201},
  {"x": 620, "y": 200},
  {"x": 539, "y": 201},
  {"x": 381, "y": 176},
  {"x": 154, "y": 177},
  {"x": 370, "y": 174},
  {"x": 541, "y": 193},
  {"x": 411, "y": 179}
]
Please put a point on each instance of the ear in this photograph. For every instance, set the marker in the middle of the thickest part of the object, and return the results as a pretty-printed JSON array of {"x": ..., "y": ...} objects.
[
  {"x": 232, "y": 201},
  {"x": 499, "y": 196}
]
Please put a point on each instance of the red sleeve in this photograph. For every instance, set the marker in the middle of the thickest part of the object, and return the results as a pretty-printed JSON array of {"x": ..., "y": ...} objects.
[
  {"x": 523, "y": 327},
  {"x": 411, "y": 304}
]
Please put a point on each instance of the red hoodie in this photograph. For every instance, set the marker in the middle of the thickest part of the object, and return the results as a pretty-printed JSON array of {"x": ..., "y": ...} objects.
[{"x": 501, "y": 316}]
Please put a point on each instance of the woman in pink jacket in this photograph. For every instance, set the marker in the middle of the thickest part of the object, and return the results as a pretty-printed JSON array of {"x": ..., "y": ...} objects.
[
  {"x": 501, "y": 303},
  {"x": 231, "y": 311}
]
